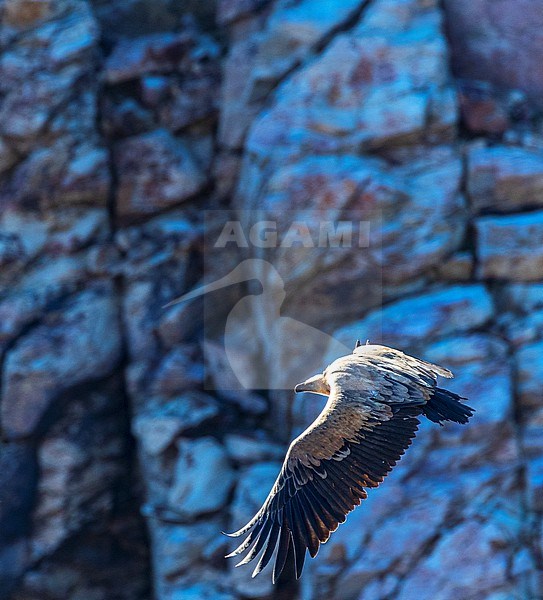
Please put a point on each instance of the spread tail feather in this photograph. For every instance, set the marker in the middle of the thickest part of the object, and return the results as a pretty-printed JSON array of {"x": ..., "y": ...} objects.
[{"x": 446, "y": 406}]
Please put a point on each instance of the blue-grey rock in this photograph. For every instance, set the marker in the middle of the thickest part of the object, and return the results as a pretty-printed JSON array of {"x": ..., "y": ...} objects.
[
  {"x": 202, "y": 466},
  {"x": 158, "y": 428},
  {"x": 458, "y": 268},
  {"x": 417, "y": 320},
  {"x": 504, "y": 179},
  {"x": 291, "y": 33},
  {"x": 486, "y": 570},
  {"x": 152, "y": 53},
  {"x": 81, "y": 466},
  {"x": 529, "y": 365},
  {"x": 200, "y": 591},
  {"x": 79, "y": 344},
  {"x": 177, "y": 372},
  {"x": 228, "y": 11},
  {"x": 392, "y": 547},
  {"x": 248, "y": 450},
  {"x": 14, "y": 561},
  {"x": 486, "y": 48},
  {"x": 43, "y": 284},
  {"x": 178, "y": 548},
  {"x": 510, "y": 247},
  {"x": 156, "y": 171},
  {"x": 385, "y": 81},
  {"x": 524, "y": 297},
  {"x": 521, "y": 319},
  {"x": 18, "y": 480}
]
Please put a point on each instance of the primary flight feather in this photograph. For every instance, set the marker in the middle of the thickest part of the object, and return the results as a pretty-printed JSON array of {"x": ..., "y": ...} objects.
[{"x": 375, "y": 396}]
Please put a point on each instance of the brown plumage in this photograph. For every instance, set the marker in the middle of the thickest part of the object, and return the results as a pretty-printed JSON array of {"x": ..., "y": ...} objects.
[{"x": 375, "y": 396}]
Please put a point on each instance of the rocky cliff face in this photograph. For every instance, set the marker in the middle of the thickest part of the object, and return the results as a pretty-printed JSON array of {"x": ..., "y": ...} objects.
[{"x": 120, "y": 122}]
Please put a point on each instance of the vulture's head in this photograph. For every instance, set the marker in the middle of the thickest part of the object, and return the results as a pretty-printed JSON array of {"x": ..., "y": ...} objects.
[
  {"x": 347, "y": 373},
  {"x": 316, "y": 384}
]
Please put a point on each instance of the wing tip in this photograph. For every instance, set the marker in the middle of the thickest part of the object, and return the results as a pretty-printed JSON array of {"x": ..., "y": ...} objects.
[{"x": 245, "y": 529}]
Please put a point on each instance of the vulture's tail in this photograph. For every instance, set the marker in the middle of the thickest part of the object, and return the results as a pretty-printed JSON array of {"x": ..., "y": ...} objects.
[{"x": 446, "y": 406}]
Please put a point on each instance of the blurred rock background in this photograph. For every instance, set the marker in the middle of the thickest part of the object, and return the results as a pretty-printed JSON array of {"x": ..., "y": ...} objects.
[{"x": 120, "y": 122}]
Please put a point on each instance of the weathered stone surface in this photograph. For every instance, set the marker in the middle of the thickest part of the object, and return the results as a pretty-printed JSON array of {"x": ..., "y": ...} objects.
[
  {"x": 187, "y": 102},
  {"x": 159, "y": 249},
  {"x": 415, "y": 321},
  {"x": 523, "y": 298},
  {"x": 459, "y": 267},
  {"x": 178, "y": 371},
  {"x": 208, "y": 591},
  {"x": 529, "y": 363},
  {"x": 181, "y": 547},
  {"x": 135, "y": 18},
  {"x": 156, "y": 171},
  {"x": 521, "y": 318},
  {"x": 533, "y": 448},
  {"x": 65, "y": 44},
  {"x": 11, "y": 249},
  {"x": 485, "y": 42},
  {"x": 48, "y": 103},
  {"x": 219, "y": 365},
  {"x": 291, "y": 33},
  {"x": 384, "y": 83},
  {"x": 107, "y": 558},
  {"x": 28, "y": 239},
  {"x": 392, "y": 548},
  {"x": 502, "y": 179},
  {"x": 158, "y": 428},
  {"x": 80, "y": 461},
  {"x": 69, "y": 347},
  {"x": 18, "y": 478},
  {"x": 62, "y": 174},
  {"x": 486, "y": 570},
  {"x": 421, "y": 199},
  {"x": 158, "y": 52},
  {"x": 156, "y": 257},
  {"x": 246, "y": 450},
  {"x": 166, "y": 78},
  {"x": 178, "y": 323},
  {"x": 202, "y": 466},
  {"x": 368, "y": 189},
  {"x": 13, "y": 563},
  {"x": 41, "y": 286},
  {"x": 481, "y": 110},
  {"x": 126, "y": 117},
  {"x": 7, "y": 156},
  {"x": 510, "y": 247},
  {"x": 237, "y": 114},
  {"x": 231, "y": 10},
  {"x": 22, "y": 13}
]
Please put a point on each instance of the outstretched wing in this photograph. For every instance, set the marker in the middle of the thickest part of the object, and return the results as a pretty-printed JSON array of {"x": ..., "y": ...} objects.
[{"x": 350, "y": 447}]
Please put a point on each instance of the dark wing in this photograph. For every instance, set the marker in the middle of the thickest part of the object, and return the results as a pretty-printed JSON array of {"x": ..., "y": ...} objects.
[{"x": 324, "y": 476}]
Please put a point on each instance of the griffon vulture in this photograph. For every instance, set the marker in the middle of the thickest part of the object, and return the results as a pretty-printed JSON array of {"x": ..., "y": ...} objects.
[{"x": 375, "y": 398}]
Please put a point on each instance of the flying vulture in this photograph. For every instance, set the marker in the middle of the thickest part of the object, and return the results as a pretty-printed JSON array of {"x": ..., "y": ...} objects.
[{"x": 375, "y": 398}]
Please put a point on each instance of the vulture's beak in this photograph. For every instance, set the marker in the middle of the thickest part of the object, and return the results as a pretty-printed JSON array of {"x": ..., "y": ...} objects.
[{"x": 316, "y": 384}]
